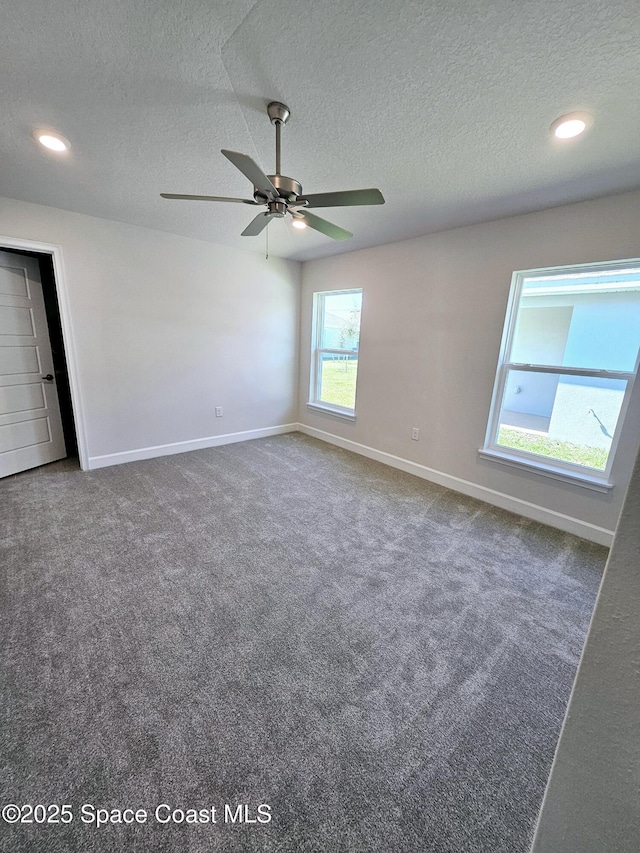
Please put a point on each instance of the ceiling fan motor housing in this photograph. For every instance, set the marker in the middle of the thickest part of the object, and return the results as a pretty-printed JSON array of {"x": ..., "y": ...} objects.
[{"x": 288, "y": 189}]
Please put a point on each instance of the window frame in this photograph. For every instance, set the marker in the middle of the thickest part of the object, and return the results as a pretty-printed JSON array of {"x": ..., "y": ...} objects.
[
  {"x": 545, "y": 465},
  {"x": 317, "y": 351}
]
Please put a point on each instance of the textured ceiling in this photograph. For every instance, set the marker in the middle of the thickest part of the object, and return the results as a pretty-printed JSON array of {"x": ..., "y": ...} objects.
[{"x": 443, "y": 105}]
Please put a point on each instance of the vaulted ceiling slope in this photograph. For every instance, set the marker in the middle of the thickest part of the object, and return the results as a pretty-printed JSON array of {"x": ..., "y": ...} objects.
[{"x": 444, "y": 105}]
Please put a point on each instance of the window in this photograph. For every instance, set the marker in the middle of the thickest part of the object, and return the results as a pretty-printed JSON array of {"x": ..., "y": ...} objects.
[
  {"x": 568, "y": 361},
  {"x": 334, "y": 362}
]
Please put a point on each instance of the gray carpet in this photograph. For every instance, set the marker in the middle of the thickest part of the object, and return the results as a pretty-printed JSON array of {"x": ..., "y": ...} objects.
[{"x": 382, "y": 662}]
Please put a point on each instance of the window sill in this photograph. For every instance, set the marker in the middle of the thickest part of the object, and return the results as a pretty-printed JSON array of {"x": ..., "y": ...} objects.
[
  {"x": 587, "y": 481},
  {"x": 330, "y": 410}
]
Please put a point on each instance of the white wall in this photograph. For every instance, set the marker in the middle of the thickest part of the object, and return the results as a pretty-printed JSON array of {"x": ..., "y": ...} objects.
[
  {"x": 432, "y": 318},
  {"x": 592, "y": 801},
  {"x": 167, "y": 328}
]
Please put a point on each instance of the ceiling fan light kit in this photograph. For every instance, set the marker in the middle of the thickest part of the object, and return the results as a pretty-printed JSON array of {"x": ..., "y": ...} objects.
[{"x": 283, "y": 195}]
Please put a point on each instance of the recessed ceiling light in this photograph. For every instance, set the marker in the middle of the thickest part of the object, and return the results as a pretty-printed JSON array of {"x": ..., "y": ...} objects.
[
  {"x": 570, "y": 125},
  {"x": 52, "y": 141},
  {"x": 299, "y": 223}
]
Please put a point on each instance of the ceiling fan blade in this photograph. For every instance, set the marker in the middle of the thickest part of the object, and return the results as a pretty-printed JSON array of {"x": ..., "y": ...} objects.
[
  {"x": 208, "y": 198},
  {"x": 328, "y": 228},
  {"x": 251, "y": 170},
  {"x": 346, "y": 198},
  {"x": 256, "y": 225}
]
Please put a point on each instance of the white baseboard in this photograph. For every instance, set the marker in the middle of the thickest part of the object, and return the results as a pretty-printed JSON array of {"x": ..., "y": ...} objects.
[
  {"x": 186, "y": 446},
  {"x": 537, "y": 513}
]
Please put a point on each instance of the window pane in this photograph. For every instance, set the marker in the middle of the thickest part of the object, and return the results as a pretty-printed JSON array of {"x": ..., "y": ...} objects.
[
  {"x": 541, "y": 334},
  {"x": 341, "y": 321},
  {"x": 588, "y": 320},
  {"x": 567, "y": 418},
  {"x": 337, "y": 381}
]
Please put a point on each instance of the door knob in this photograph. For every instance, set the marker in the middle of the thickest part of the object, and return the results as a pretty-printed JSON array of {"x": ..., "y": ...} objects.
[{"x": 48, "y": 377}]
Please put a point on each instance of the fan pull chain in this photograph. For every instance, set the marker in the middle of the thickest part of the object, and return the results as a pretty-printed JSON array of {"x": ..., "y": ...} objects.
[{"x": 266, "y": 231}]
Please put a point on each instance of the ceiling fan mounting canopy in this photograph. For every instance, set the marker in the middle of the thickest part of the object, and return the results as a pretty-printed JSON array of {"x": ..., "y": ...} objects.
[
  {"x": 282, "y": 194},
  {"x": 278, "y": 112}
]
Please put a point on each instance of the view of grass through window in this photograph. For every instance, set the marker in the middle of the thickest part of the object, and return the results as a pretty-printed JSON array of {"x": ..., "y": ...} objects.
[
  {"x": 339, "y": 375},
  {"x": 542, "y": 445}
]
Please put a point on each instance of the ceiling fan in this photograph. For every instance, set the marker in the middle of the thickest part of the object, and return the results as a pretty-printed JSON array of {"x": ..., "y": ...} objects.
[{"x": 282, "y": 195}]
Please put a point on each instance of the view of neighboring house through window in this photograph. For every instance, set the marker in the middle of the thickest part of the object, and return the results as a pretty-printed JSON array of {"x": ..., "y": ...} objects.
[
  {"x": 334, "y": 363},
  {"x": 568, "y": 361}
]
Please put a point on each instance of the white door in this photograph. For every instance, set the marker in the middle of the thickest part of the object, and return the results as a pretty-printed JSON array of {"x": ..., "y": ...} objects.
[{"x": 30, "y": 423}]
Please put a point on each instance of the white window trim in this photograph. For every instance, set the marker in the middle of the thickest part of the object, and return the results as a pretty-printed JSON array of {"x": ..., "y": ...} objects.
[
  {"x": 540, "y": 465},
  {"x": 314, "y": 402},
  {"x": 590, "y": 478},
  {"x": 338, "y": 412}
]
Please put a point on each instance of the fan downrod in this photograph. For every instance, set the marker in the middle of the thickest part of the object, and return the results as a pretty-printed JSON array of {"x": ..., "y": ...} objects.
[
  {"x": 288, "y": 188},
  {"x": 279, "y": 115}
]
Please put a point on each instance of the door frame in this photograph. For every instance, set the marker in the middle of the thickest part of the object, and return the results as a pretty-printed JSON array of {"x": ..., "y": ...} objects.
[{"x": 68, "y": 338}]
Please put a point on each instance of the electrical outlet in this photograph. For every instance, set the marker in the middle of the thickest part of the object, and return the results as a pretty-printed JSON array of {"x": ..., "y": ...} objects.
[
  {"x": 415, "y": 433},
  {"x": 218, "y": 411}
]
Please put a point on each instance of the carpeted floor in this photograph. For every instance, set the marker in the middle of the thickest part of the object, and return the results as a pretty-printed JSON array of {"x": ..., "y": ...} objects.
[{"x": 382, "y": 663}]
